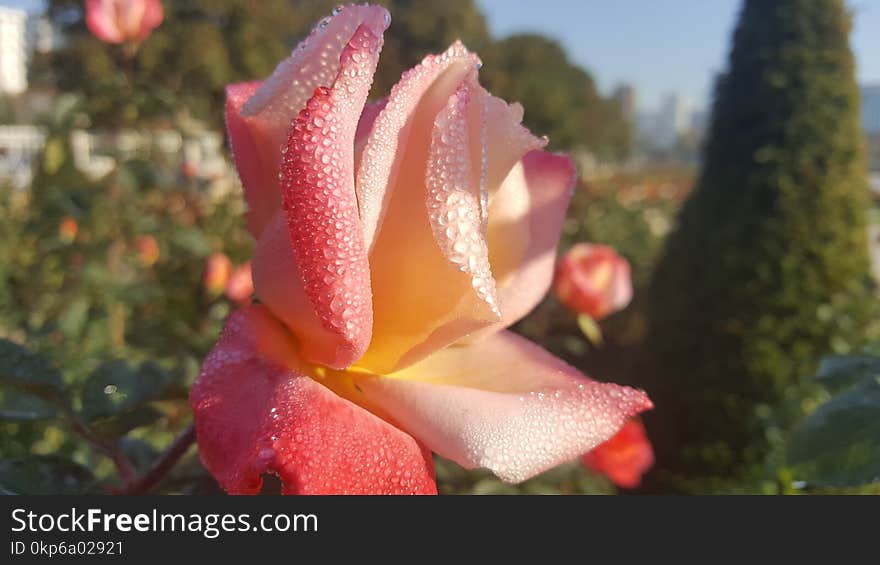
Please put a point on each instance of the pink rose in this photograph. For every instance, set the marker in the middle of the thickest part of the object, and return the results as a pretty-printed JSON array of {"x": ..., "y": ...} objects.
[
  {"x": 593, "y": 280},
  {"x": 396, "y": 241},
  {"x": 121, "y": 21}
]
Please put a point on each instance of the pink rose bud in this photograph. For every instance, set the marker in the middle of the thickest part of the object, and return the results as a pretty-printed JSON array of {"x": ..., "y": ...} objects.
[
  {"x": 593, "y": 280},
  {"x": 217, "y": 272},
  {"x": 67, "y": 229},
  {"x": 240, "y": 286},
  {"x": 122, "y": 21},
  {"x": 147, "y": 250},
  {"x": 625, "y": 457}
]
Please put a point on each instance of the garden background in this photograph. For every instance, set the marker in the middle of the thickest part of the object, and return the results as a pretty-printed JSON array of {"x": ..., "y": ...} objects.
[{"x": 754, "y": 308}]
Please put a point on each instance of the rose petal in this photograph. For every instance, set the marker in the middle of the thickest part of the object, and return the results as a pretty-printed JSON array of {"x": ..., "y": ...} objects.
[
  {"x": 151, "y": 18},
  {"x": 267, "y": 111},
  {"x": 101, "y": 21},
  {"x": 365, "y": 127},
  {"x": 507, "y": 140},
  {"x": 525, "y": 223},
  {"x": 257, "y": 168},
  {"x": 625, "y": 457},
  {"x": 421, "y": 300},
  {"x": 456, "y": 190},
  {"x": 504, "y": 404},
  {"x": 594, "y": 280},
  {"x": 279, "y": 285},
  {"x": 412, "y": 104},
  {"x": 257, "y": 413},
  {"x": 317, "y": 180}
]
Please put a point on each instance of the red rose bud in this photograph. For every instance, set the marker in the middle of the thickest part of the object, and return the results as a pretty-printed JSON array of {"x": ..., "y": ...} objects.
[
  {"x": 593, "y": 280},
  {"x": 625, "y": 457},
  {"x": 147, "y": 250},
  {"x": 217, "y": 272},
  {"x": 240, "y": 285},
  {"x": 67, "y": 230}
]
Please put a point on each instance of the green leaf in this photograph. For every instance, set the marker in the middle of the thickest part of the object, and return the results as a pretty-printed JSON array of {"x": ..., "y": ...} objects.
[
  {"x": 116, "y": 426},
  {"x": 192, "y": 240},
  {"x": 139, "y": 452},
  {"x": 114, "y": 388},
  {"x": 16, "y": 406},
  {"x": 838, "y": 371},
  {"x": 74, "y": 317},
  {"x": 839, "y": 444},
  {"x": 590, "y": 328},
  {"x": 46, "y": 474},
  {"x": 30, "y": 373}
]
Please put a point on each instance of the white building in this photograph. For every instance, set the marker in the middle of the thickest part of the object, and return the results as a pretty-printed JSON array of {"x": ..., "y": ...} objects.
[
  {"x": 13, "y": 51},
  {"x": 19, "y": 148},
  {"x": 664, "y": 127},
  {"x": 871, "y": 109},
  {"x": 42, "y": 35}
]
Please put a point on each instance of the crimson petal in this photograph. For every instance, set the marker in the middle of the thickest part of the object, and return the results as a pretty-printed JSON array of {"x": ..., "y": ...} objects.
[{"x": 257, "y": 412}]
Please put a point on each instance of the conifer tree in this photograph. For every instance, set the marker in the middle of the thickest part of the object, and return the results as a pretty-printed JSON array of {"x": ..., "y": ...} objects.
[{"x": 768, "y": 269}]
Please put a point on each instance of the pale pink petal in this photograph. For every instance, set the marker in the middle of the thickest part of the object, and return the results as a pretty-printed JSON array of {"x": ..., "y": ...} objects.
[
  {"x": 525, "y": 223},
  {"x": 419, "y": 304},
  {"x": 267, "y": 111},
  {"x": 422, "y": 301},
  {"x": 412, "y": 104},
  {"x": 365, "y": 127},
  {"x": 101, "y": 21},
  {"x": 152, "y": 17},
  {"x": 507, "y": 140},
  {"x": 257, "y": 412},
  {"x": 257, "y": 169},
  {"x": 129, "y": 15},
  {"x": 456, "y": 190},
  {"x": 317, "y": 181},
  {"x": 504, "y": 404}
]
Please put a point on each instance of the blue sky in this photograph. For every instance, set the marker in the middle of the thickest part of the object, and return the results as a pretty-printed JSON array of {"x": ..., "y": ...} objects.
[{"x": 659, "y": 46}]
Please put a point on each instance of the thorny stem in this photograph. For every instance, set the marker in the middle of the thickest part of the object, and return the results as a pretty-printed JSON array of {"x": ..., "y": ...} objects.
[
  {"x": 163, "y": 464},
  {"x": 131, "y": 483},
  {"x": 124, "y": 467}
]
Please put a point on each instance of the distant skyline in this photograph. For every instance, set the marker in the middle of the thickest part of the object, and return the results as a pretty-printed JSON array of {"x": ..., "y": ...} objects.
[{"x": 658, "y": 46}]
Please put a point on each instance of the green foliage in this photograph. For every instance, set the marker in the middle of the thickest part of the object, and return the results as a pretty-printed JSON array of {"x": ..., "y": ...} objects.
[
  {"x": 90, "y": 300},
  {"x": 47, "y": 474},
  {"x": 768, "y": 269},
  {"x": 839, "y": 444}
]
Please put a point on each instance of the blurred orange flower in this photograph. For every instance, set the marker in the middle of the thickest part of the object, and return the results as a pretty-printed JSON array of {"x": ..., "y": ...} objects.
[
  {"x": 217, "y": 271},
  {"x": 67, "y": 229},
  {"x": 625, "y": 457},
  {"x": 147, "y": 250}
]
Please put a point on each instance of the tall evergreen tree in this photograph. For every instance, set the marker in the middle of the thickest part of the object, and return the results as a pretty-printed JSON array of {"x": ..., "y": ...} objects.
[{"x": 768, "y": 269}]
